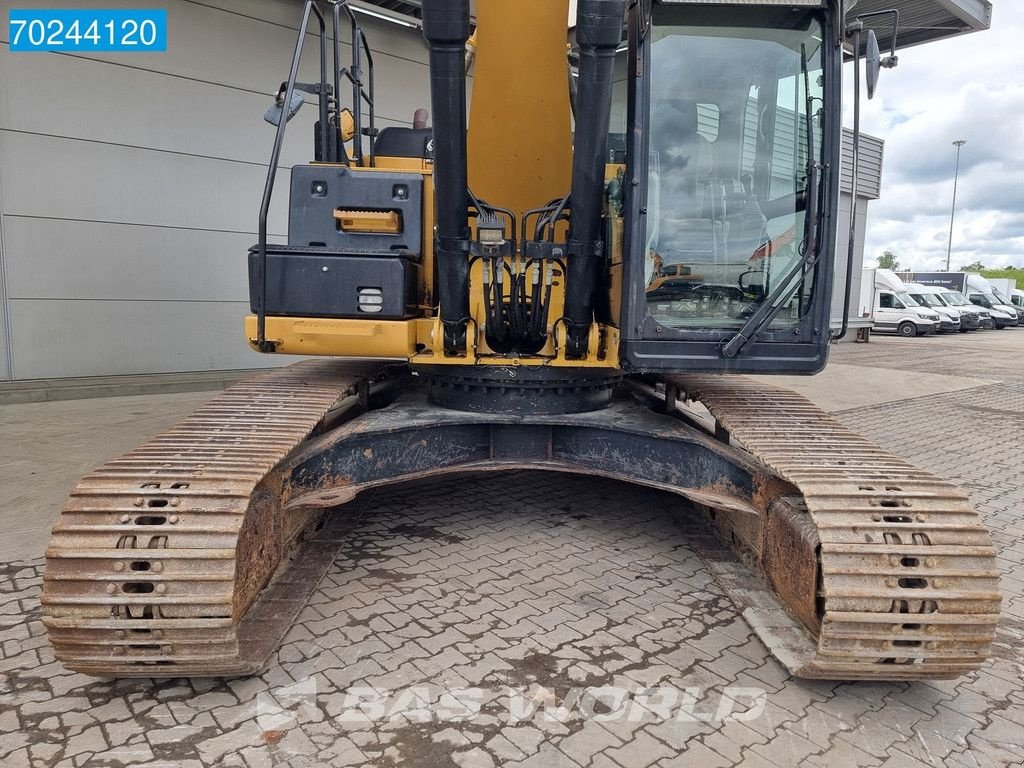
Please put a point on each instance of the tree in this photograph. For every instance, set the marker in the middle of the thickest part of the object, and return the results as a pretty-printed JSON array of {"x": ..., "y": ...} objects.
[
  {"x": 975, "y": 267},
  {"x": 889, "y": 260}
]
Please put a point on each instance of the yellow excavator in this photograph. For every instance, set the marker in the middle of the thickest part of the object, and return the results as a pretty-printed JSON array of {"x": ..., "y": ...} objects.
[{"x": 570, "y": 278}]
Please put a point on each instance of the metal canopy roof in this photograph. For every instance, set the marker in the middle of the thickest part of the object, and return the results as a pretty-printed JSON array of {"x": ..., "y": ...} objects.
[
  {"x": 921, "y": 21},
  {"x": 925, "y": 21}
]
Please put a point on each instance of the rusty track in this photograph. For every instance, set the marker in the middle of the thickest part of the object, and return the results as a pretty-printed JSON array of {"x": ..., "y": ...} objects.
[
  {"x": 174, "y": 559},
  {"x": 908, "y": 582},
  {"x": 161, "y": 553}
]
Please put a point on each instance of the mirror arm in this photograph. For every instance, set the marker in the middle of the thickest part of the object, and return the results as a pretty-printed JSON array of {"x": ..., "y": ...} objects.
[
  {"x": 892, "y": 60},
  {"x": 855, "y": 28}
]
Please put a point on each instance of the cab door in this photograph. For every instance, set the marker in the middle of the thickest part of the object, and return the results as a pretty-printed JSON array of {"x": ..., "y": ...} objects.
[
  {"x": 732, "y": 153},
  {"x": 888, "y": 311}
]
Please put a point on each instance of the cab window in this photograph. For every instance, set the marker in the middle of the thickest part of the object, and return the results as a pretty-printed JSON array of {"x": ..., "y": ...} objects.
[
  {"x": 888, "y": 301},
  {"x": 735, "y": 127}
]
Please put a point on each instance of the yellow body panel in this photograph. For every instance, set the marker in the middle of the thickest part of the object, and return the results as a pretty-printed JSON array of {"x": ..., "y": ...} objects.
[
  {"x": 520, "y": 131},
  {"x": 347, "y": 129},
  {"x": 403, "y": 340},
  {"x": 392, "y": 339}
]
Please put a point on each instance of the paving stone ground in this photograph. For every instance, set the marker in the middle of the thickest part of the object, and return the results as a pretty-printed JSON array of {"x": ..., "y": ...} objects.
[{"x": 546, "y": 621}]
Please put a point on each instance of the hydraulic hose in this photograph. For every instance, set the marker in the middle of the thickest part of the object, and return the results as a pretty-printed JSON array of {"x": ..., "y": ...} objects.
[
  {"x": 598, "y": 34},
  {"x": 446, "y": 28}
]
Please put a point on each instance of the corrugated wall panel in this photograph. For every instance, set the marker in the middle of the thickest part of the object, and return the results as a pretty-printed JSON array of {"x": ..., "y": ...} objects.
[
  {"x": 61, "y": 178},
  {"x": 98, "y": 338},
  {"x": 248, "y": 50},
  {"x": 140, "y": 262},
  {"x": 869, "y": 185},
  {"x": 872, "y": 153},
  {"x": 142, "y": 108}
]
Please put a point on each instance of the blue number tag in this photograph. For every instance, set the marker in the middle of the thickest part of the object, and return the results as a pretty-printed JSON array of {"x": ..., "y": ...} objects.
[{"x": 143, "y": 30}]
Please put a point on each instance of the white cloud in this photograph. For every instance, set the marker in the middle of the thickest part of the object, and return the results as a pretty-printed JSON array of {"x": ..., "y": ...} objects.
[{"x": 972, "y": 88}]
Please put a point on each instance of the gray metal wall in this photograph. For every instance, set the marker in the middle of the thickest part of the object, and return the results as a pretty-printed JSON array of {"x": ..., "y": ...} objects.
[
  {"x": 869, "y": 185},
  {"x": 130, "y": 187}
]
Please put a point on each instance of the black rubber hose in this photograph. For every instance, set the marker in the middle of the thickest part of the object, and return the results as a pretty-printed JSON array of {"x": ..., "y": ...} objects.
[
  {"x": 598, "y": 34},
  {"x": 446, "y": 28}
]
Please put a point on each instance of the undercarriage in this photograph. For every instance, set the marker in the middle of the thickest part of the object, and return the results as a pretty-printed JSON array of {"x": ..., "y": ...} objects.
[{"x": 192, "y": 555}]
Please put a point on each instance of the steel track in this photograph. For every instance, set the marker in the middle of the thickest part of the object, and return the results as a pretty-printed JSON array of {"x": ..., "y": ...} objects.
[
  {"x": 909, "y": 586},
  {"x": 154, "y": 562},
  {"x": 164, "y": 561}
]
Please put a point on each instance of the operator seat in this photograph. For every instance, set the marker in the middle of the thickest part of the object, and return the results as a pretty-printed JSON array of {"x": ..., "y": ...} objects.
[
  {"x": 746, "y": 224},
  {"x": 685, "y": 166},
  {"x": 396, "y": 141}
]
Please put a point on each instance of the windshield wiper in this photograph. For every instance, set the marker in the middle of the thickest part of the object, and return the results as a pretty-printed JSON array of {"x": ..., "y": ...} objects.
[
  {"x": 809, "y": 250},
  {"x": 787, "y": 288}
]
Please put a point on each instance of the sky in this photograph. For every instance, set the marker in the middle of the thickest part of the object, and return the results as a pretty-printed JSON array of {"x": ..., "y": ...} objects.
[{"x": 969, "y": 87}]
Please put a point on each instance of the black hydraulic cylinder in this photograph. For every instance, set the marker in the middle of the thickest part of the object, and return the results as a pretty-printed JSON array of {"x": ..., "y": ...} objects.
[
  {"x": 446, "y": 28},
  {"x": 598, "y": 34}
]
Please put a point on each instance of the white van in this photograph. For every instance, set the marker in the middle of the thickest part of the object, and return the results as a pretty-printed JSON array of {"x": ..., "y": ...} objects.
[
  {"x": 1002, "y": 289},
  {"x": 981, "y": 293},
  {"x": 895, "y": 310},
  {"x": 950, "y": 318},
  {"x": 1006, "y": 302},
  {"x": 1017, "y": 297},
  {"x": 1004, "y": 285},
  {"x": 959, "y": 301}
]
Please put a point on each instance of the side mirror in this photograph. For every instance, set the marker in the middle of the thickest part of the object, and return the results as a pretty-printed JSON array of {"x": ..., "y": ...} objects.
[
  {"x": 276, "y": 112},
  {"x": 873, "y": 63}
]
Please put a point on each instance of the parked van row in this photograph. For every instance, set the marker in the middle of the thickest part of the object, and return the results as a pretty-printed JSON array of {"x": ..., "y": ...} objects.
[
  {"x": 919, "y": 304},
  {"x": 982, "y": 292}
]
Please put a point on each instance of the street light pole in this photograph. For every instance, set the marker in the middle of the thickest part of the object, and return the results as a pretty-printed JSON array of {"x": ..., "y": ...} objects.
[{"x": 952, "y": 216}]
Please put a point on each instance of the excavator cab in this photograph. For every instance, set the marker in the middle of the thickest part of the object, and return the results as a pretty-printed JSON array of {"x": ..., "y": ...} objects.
[{"x": 732, "y": 114}]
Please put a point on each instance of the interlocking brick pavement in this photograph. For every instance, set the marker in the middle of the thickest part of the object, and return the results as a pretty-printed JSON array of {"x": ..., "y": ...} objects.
[{"x": 497, "y": 620}]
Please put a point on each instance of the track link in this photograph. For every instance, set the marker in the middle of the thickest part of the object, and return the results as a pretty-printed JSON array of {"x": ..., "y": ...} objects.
[
  {"x": 160, "y": 554},
  {"x": 909, "y": 587}
]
